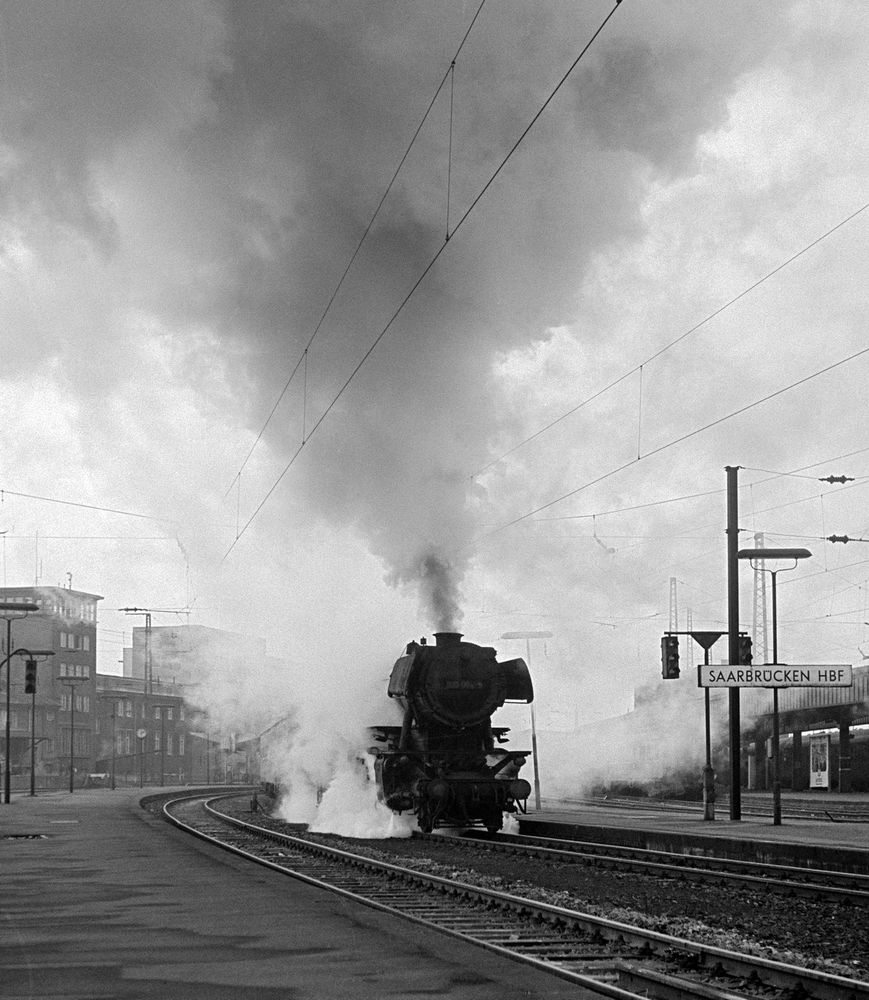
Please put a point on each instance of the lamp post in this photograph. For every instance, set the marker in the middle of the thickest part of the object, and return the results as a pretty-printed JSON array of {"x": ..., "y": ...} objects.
[
  {"x": 10, "y": 611},
  {"x": 528, "y": 636},
  {"x": 34, "y": 655},
  {"x": 114, "y": 703},
  {"x": 162, "y": 710},
  {"x": 761, "y": 555},
  {"x": 114, "y": 739},
  {"x": 31, "y": 654},
  {"x": 71, "y": 682},
  {"x": 141, "y": 734}
]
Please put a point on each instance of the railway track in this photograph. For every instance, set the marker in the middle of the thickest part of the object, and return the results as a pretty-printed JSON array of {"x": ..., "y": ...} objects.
[
  {"x": 605, "y": 956},
  {"x": 811, "y": 883},
  {"x": 797, "y": 809}
]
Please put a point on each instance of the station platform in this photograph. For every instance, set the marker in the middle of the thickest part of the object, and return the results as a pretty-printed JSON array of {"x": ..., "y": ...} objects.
[
  {"x": 823, "y": 830},
  {"x": 101, "y": 899}
]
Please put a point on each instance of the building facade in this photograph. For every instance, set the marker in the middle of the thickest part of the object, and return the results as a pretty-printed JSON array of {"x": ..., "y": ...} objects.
[
  {"x": 80, "y": 728},
  {"x": 50, "y": 729}
]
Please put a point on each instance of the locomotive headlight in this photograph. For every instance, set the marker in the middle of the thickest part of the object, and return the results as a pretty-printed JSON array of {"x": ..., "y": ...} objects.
[
  {"x": 439, "y": 790},
  {"x": 519, "y": 788}
]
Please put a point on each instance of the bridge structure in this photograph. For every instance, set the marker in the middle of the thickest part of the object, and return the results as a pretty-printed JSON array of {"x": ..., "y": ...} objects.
[{"x": 807, "y": 709}]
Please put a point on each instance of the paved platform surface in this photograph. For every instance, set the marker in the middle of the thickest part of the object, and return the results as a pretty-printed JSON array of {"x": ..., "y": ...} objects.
[
  {"x": 665, "y": 827},
  {"x": 107, "y": 901}
]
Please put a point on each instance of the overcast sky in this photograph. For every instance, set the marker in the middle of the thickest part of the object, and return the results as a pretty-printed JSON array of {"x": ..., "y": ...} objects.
[{"x": 183, "y": 187}]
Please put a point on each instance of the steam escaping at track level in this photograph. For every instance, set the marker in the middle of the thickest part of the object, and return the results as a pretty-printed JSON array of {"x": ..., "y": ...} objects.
[{"x": 442, "y": 764}]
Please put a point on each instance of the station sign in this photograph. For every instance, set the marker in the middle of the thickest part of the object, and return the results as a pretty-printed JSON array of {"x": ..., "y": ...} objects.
[{"x": 774, "y": 675}]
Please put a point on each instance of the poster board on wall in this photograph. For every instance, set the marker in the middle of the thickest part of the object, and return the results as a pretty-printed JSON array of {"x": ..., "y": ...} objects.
[{"x": 819, "y": 762}]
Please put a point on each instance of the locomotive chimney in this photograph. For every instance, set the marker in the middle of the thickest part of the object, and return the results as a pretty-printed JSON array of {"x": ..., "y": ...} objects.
[{"x": 447, "y": 638}]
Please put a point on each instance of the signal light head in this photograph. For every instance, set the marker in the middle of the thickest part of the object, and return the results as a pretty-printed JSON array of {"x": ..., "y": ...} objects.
[
  {"x": 30, "y": 677},
  {"x": 670, "y": 657}
]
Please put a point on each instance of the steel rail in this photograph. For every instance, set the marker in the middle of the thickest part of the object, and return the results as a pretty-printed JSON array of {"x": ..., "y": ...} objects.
[
  {"x": 540, "y": 937},
  {"x": 812, "y": 883},
  {"x": 848, "y": 812}
]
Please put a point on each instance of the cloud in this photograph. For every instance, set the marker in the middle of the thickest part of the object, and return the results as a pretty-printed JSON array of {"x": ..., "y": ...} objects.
[{"x": 182, "y": 188}]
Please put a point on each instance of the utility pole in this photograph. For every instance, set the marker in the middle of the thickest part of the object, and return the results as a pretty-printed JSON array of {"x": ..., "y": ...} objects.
[
  {"x": 146, "y": 689},
  {"x": 148, "y": 684},
  {"x": 733, "y": 637},
  {"x": 758, "y": 623}
]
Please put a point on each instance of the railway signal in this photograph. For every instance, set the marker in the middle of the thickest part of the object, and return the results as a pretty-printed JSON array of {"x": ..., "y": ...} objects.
[{"x": 670, "y": 657}]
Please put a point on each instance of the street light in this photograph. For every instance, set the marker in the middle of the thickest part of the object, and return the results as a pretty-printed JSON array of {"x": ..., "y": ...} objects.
[
  {"x": 32, "y": 654},
  {"x": 761, "y": 555},
  {"x": 71, "y": 683},
  {"x": 10, "y": 607},
  {"x": 114, "y": 702},
  {"x": 114, "y": 739},
  {"x": 528, "y": 636},
  {"x": 162, "y": 710}
]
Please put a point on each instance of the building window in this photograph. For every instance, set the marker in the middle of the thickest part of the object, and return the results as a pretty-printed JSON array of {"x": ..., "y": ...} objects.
[
  {"x": 181, "y": 744},
  {"x": 156, "y": 740},
  {"x": 169, "y": 744},
  {"x": 19, "y": 720},
  {"x": 86, "y": 643},
  {"x": 128, "y": 708},
  {"x": 81, "y": 741},
  {"x": 63, "y": 640},
  {"x": 64, "y": 701},
  {"x": 170, "y": 713}
]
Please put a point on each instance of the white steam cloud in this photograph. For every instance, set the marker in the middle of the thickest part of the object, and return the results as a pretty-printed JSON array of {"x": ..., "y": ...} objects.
[{"x": 181, "y": 189}]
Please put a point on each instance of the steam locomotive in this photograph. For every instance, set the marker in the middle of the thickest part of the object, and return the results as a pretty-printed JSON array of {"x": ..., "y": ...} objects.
[{"x": 443, "y": 763}]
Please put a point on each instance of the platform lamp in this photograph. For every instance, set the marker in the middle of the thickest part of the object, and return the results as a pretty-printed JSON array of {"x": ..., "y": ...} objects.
[
  {"x": 10, "y": 610},
  {"x": 761, "y": 556},
  {"x": 162, "y": 708},
  {"x": 71, "y": 682},
  {"x": 528, "y": 636}
]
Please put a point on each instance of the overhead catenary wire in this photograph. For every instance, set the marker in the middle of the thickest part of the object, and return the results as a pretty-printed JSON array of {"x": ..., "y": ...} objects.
[
  {"x": 638, "y": 368},
  {"x": 303, "y": 358},
  {"x": 86, "y": 506},
  {"x": 425, "y": 271},
  {"x": 678, "y": 440},
  {"x": 857, "y": 481}
]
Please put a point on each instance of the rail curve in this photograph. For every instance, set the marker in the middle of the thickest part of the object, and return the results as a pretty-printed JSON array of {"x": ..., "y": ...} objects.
[{"x": 608, "y": 957}]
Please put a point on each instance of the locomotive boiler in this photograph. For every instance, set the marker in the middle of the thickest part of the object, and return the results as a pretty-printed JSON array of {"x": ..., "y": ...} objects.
[{"x": 444, "y": 763}]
